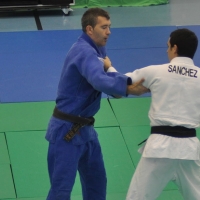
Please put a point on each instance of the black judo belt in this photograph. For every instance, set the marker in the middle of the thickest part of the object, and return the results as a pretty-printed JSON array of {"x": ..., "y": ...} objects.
[
  {"x": 78, "y": 122},
  {"x": 173, "y": 131}
]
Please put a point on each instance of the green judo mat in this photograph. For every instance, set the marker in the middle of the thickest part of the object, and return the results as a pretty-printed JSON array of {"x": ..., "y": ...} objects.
[
  {"x": 3, "y": 150},
  {"x": 166, "y": 195},
  {"x": 7, "y": 189},
  {"x": 104, "y": 3},
  {"x": 6, "y": 184},
  {"x": 35, "y": 116},
  {"x": 28, "y": 152},
  {"x": 131, "y": 111},
  {"x": 121, "y": 125}
]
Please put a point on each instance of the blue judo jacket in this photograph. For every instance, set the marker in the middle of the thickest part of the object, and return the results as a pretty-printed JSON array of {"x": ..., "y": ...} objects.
[{"x": 79, "y": 91}]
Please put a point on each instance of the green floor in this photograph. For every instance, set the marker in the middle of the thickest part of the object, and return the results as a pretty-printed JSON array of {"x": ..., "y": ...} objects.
[{"x": 121, "y": 124}]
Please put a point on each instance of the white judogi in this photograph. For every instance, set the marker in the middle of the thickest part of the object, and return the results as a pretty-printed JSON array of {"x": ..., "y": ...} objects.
[{"x": 175, "y": 89}]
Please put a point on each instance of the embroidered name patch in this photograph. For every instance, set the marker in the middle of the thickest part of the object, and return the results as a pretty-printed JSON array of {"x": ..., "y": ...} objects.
[{"x": 182, "y": 71}]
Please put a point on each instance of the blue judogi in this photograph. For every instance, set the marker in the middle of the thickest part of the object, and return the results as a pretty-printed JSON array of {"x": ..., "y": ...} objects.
[{"x": 79, "y": 93}]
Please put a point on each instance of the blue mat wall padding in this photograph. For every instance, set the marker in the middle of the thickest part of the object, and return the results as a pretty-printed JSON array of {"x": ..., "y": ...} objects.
[
  {"x": 34, "y": 78},
  {"x": 195, "y": 28},
  {"x": 127, "y": 60},
  {"x": 31, "y": 62},
  {"x": 139, "y": 37},
  {"x": 37, "y": 41}
]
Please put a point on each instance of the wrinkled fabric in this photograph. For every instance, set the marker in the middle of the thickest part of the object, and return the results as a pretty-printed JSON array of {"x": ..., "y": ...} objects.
[{"x": 79, "y": 93}]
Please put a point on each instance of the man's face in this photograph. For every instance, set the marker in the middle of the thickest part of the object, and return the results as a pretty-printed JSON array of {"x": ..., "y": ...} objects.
[
  {"x": 171, "y": 51},
  {"x": 101, "y": 31}
]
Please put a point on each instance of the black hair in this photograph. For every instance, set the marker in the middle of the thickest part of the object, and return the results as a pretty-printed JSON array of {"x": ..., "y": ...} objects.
[
  {"x": 90, "y": 17},
  {"x": 185, "y": 40}
]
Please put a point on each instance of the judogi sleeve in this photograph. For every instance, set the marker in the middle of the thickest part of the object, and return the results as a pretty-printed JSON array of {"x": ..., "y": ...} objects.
[
  {"x": 92, "y": 68},
  {"x": 147, "y": 73}
]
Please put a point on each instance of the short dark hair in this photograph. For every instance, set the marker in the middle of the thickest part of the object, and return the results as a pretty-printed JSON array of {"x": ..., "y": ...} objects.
[
  {"x": 90, "y": 17},
  {"x": 186, "y": 42}
]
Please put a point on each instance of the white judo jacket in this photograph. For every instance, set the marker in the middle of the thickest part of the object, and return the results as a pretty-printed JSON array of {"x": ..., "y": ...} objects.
[{"x": 175, "y": 91}]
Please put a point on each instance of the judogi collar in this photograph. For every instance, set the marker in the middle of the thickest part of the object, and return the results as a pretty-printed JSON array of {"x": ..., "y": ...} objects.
[
  {"x": 100, "y": 50},
  {"x": 184, "y": 60}
]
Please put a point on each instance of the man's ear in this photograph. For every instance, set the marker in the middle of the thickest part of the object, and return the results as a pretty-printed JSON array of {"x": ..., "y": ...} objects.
[
  {"x": 175, "y": 49},
  {"x": 89, "y": 30}
]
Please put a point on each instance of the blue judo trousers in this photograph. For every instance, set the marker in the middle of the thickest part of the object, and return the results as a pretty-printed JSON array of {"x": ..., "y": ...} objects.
[
  {"x": 65, "y": 158},
  {"x": 79, "y": 93}
]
